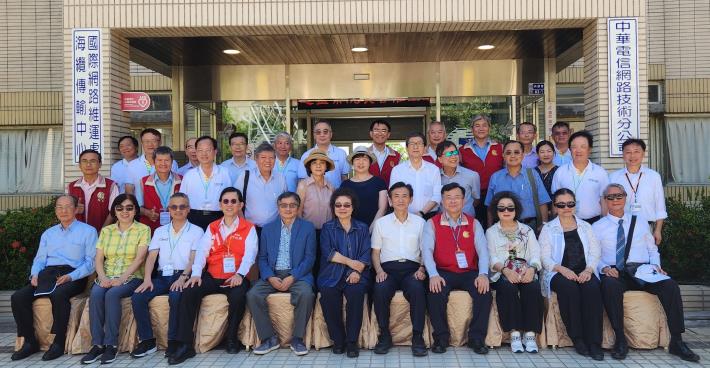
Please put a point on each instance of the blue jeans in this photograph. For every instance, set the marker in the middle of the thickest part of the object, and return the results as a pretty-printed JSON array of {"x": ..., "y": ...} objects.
[
  {"x": 105, "y": 311},
  {"x": 141, "y": 312}
]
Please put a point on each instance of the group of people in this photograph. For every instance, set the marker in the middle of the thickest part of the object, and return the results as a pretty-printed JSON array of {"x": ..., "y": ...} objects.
[{"x": 524, "y": 220}]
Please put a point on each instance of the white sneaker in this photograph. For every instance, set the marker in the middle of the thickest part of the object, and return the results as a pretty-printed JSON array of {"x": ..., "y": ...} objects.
[
  {"x": 516, "y": 345},
  {"x": 530, "y": 343}
]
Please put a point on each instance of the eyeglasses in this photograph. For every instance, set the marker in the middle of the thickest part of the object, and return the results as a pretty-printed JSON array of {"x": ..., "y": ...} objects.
[
  {"x": 506, "y": 209},
  {"x": 565, "y": 204},
  {"x": 230, "y": 201},
  {"x": 89, "y": 162},
  {"x": 178, "y": 207},
  {"x": 343, "y": 205},
  {"x": 288, "y": 205},
  {"x": 128, "y": 208},
  {"x": 319, "y": 132},
  {"x": 613, "y": 197},
  {"x": 451, "y": 153}
]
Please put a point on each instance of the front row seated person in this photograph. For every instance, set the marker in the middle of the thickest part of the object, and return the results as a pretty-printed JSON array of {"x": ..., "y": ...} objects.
[
  {"x": 635, "y": 265},
  {"x": 120, "y": 253},
  {"x": 455, "y": 253},
  {"x": 570, "y": 254},
  {"x": 66, "y": 254},
  {"x": 396, "y": 258},
  {"x": 172, "y": 246},
  {"x": 515, "y": 260},
  {"x": 344, "y": 271},
  {"x": 287, "y": 252},
  {"x": 226, "y": 252}
]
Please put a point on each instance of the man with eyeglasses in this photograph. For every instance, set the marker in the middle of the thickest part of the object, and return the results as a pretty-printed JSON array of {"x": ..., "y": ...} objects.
[
  {"x": 239, "y": 162},
  {"x": 94, "y": 192},
  {"x": 525, "y": 183},
  {"x": 172, "y": 247},
  {"x": 287, "y": 252},
  {"x": 66, "y": 254},
  {"x": 560, "y": 135},
  {"x": 635, "y": 268},
  {"x": 323, "y": 133},
  {"x": 526, "y": 135},
  {"x": 144, "y": 165},
  {"x": 387, "y": 158},
  {"x": 436, "y": 133},
  {"x": 191, "y": 153},
  {"x": 155, "y": 190},
  {"x": 451, "y": 172},
  {"x": 424, "y": 177}
]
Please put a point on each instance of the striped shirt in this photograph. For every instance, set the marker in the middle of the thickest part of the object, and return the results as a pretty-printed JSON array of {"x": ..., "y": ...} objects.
[{"x": 120, "y": 249}]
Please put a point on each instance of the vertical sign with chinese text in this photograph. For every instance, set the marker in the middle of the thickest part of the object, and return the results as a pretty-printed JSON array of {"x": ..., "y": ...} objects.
[
  {"x": 623, "y": 83},
  {"x": 86, "y": 85}
]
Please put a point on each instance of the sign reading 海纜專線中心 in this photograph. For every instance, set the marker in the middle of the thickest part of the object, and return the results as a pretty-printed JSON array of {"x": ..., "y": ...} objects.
[
  {"x": 86, "y": 91},
  {"x": 623, "y": 83}
]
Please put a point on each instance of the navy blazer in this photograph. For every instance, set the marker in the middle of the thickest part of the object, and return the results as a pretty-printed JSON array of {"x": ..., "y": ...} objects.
[{"x": 303, "y": 249}]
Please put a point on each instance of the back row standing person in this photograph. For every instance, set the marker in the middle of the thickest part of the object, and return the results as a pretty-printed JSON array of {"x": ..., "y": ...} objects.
[
  {"x": 386, "y": 158},
  {"x": 366, "y": 187},
  {"x": 560, "y": 136},
  {"x": 239, "y": 162},
  {"x": 191, "y": 153},
  {"x": 286, "y": 165},
  {"x": 128, "y": 147},
  {"x": 526, "y": 135},
  {"x": 94, "y": 192},
  {"x": 323, "y": 133},
  {"x": 144, "y": 165},
  {"x": 436, "y": 133},
  {"x": 483, "y": 156}
]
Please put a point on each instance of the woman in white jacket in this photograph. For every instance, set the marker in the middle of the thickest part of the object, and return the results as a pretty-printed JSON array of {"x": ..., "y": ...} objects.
[{"x": 570, "y": 253}]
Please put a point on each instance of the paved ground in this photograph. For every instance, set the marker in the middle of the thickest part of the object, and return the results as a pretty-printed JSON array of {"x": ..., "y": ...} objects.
[{"x": 698, "y": 337}]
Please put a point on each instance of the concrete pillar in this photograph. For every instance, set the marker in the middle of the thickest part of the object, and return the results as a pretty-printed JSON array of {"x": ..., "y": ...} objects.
[{"x": 550, "y": 98}]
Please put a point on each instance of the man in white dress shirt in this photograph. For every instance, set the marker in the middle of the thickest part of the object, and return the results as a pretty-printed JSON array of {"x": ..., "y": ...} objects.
[
  {"x": 397, "y": 260},
  {"x": 144, "y": 165},
  {"x": 423, "y": 176},
  {"x": 323, "y": 133},
  {"x": 128, "y": 147},
  {"x": 620, "y": 258},
  {"x": 643, "y": 185}
]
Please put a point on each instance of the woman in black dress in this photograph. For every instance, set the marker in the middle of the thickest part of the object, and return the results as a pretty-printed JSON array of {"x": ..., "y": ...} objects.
[{"x": 370, "y": 190}]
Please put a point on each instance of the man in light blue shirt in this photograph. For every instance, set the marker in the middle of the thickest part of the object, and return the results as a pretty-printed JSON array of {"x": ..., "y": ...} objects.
[
  {"x": 264, "y": 187},
  {"x": 323, "y": 133},
  {"x": 239, "y": 162},
  {"x": 285, "y": 164},
  {"x": 560, "y": 135},
  {"x": 66, "y": 254}
]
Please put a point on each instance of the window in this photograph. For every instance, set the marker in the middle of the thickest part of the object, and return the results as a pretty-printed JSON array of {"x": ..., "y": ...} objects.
[
  {"x": 31, "y": 161},
  {"x": 688, "y": 148},
  {"x": 655, "y": 95}
]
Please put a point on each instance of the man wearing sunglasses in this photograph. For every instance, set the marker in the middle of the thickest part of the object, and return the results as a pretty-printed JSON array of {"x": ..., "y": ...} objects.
[
  {"x": 172, "y": 246},
  {"x": 623, "y": 269},
  {"x": 451, "y": 172},
  {"x": 323, "y": 133}
]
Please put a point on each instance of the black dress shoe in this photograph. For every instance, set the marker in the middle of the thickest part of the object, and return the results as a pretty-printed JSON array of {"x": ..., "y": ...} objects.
[
  {"x": 596, "y": 352},
  {"x": 353, "y": 350},
  {"x": 439, "y": 347},
  {"x": 338, "y": 349},
  {"x": 384, "y": 344},
  {"x": 418, "y": 346},
  {"x": 234, "y": 346},
  {"x": 54, "y": 352},
  {"x": 621, "y": 350},
  {"x": 478, "y": 346},
  {"x": 26, "y": 350},
  {"x": 581, "y": 347},
  {"x": 172, "y": 345},
  {"x": 680, "y": 349},
  {"x": 182, "y": 353}
]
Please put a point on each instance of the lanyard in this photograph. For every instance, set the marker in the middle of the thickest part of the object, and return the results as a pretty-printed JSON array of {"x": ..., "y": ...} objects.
[
  {"x": 206, "y": 181},
  {"x": 455, "y": 233},
  {"x": 164, "y": 198},
  {"x": 219, "y": 238},
  {"x": 148, "y": 166},
  {"x": 170, "y": 237},
  {"x": 638, "y": 184}
]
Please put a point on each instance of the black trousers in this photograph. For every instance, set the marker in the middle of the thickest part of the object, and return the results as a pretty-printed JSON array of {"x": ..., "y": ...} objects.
[
  {"x": 331, "y": 301},
  {"x": 316, "y": 264},
  {"x": 203, "y": 218},
  {"x": 437, "y": 303},
  {"x": 668, "y": 294},
  {"x": 580, "y": 307},
  {"x": 519, "y": 305},
  {"x": 400, "y": 276},
  {"x": 21, "y": 302},
  {"x": 482, "y": 210},
  {"x": 192, "y": 299}
]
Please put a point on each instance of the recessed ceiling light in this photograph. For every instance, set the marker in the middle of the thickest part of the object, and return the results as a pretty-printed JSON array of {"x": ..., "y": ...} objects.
[
  {"x": 359, "y": 49},
  {"x": 486, "y": 47},
  {"x": 231, "y": 52}
]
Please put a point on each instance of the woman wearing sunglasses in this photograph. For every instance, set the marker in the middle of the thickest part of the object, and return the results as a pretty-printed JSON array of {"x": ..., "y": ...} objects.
[
  {"x": 120, "y": 253},
  {"x": 570, "y": 253},
  {"x": 344, "y": 271},
  {"x": 515, "y": 260}
]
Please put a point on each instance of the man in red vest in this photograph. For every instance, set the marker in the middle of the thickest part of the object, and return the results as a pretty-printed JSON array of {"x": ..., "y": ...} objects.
[
  {"x": 156, "y": 189},
  {"x": 386, "y": 157},
  {"x": 455, "y": 254},
  {"x": 95, "y": 192}
]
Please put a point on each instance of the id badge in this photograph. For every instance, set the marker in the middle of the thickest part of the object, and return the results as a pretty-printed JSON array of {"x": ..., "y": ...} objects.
[
  {"x": 228, "y": 265},
  {"x": 168, "y": 270},
  {"x": 461, "y": 259},
  {"x": 164, "y": 218},
  {"x": 636, "y": 207}
]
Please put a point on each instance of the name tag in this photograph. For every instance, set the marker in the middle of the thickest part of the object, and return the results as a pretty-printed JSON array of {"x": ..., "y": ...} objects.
[
  {"x": 636, "y": 207},
  {"x": 228, "y": 265},
  {"x": 168, "y": 270},
  {"x": 461, "y": 259},
  {"x": 164, "y": 218}
]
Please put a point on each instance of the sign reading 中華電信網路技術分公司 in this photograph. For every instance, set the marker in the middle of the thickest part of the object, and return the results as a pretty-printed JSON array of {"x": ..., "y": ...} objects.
[{"x": 623, "y": 83}]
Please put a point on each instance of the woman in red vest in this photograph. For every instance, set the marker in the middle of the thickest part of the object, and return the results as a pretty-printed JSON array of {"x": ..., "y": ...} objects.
[
  {"x": 228, "y": 250},
  {"x": 156, "y": 189},
  {"x": 515, "y": 260}
]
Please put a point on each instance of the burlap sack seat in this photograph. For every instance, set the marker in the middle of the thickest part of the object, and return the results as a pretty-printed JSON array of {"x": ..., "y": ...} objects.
[
  {"x": 42, "y": 312},
  {"x": 645, "y": 323},
  {"x": 400, "y": 324},
  {"x": 211, "y": 322},
  {"x": 281, "y": 313},
  {"x": 321, "y": 338},
  {"x": 127, "y": 336}
]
